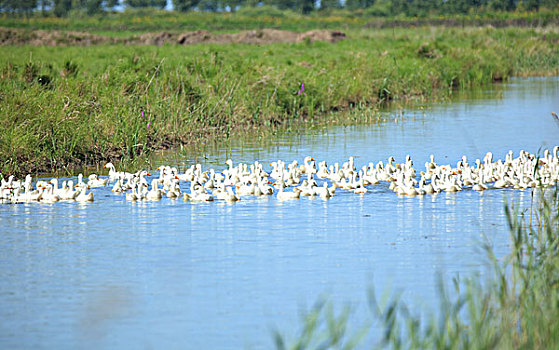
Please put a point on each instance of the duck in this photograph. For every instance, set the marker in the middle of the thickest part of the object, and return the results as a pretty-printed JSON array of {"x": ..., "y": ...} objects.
[
  {"x": 287, "y": 195},
  {"x": 174, "y": 190},
  {"x": 220, "y": 191},
  {"x": 265, "y": 188},
  {"x": 202, "y": 197},
  {"x": 95, "y": 181},
  {"x": 322, "y": 172},
  {"x": 406, "y": 187},
  {"x": 451, "y": 184},
  {"x": 307, "y": 167},
  {"x": 198, "y": 194},
  {"x": 118, "y": 187},
  {"x": 323, "y": 192},
  {"x": 27, "y": 194},
  {"x": 230, "y": 196},
  {"x": 246, "y": 189},
  {"x": 211, "y": 183},
  {"x": 155, "y": 193},
  {"x": 113, "y": 174},
  {"x": 360, "y": 187},
  {"x": 84, "y": 197},
  {"x": 305, "y": 189},
  {"x": 30, "y": 196},
  {"x": 132, "y": 195},
  {"x": 426, "y": 188},
  {"x": 501, "y": 183},
  {"x": 66, "y": 192},
  {"x": 81, "y": 183},
  {"x": 48, "y": 195}
]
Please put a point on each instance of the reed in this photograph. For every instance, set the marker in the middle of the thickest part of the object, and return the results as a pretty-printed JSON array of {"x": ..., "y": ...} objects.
[{"x": 513, "y": 307}]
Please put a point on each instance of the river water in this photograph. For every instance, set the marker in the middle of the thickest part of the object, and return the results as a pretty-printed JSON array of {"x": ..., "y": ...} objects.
[{"x": 175, "y": 275}]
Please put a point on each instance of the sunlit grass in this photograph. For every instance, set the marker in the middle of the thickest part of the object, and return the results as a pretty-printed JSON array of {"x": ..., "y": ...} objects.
[{"x": 63, "y": 107}]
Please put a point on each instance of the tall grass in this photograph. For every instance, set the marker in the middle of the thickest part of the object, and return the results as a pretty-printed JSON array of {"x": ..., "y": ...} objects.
[
  {"x": 515, "y": 307},
  {"x": 62, "y": 107}
]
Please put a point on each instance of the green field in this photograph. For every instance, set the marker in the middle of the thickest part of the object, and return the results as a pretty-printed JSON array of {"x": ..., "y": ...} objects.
[{"x": 64, "y": 107}]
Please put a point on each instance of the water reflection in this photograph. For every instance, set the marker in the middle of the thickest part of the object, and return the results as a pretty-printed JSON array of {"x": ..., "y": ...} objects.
[{"x": 218, "y": 275}]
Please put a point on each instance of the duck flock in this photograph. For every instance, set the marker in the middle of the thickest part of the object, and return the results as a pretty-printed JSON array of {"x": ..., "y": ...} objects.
[{"x": 287, "y": 181}]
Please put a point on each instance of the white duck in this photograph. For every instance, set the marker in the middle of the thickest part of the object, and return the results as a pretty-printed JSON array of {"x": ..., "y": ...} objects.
[
  {"x": 84, "y": 197},
  {"x": 323, "y": 192},
  {"x": 95, "y": 181},
  {"x": 284, "y": 195},
  {"x": 230, "y": 196},
  {"x": 155, "y": 193},
  {"x": 49, "y": 196}
]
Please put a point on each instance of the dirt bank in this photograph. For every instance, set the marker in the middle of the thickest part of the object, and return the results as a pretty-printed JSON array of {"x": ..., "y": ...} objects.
[{"x": 10, "y": 36}]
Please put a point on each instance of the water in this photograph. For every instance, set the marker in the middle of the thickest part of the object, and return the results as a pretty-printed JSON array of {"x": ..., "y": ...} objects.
[{"x": 174, "y": 275}]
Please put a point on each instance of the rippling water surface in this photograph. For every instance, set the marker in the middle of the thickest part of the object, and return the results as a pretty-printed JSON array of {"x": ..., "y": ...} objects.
[{"x": 173, "y": 275}]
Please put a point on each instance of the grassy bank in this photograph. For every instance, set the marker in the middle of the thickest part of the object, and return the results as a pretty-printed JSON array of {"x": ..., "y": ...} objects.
[
  {"x": 150, "y": 20},
  {"x": 513, "y": 307},
  {"x": 138, "y": 21},
  {"x": 62, "y": 107}
]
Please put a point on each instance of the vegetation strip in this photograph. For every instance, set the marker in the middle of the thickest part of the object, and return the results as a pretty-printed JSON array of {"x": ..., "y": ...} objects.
[
  {"x": 66, "y": 107},
  {"x": 10, "y": 36},
  {"x": 134, "y": 22}
]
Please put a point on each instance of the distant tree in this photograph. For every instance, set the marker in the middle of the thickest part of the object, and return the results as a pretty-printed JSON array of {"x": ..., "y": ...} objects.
[
  {"x": 458, "y": 6},
  {"x": 283, "y": 4},
  {"x": 7, "y": 5},
  {"x": 418, "y": 8},
  {"x": 381, "y": 8},
  {"x": 18, "y": 6},
  {"x": 530, "y": 5},
  {"x": 111, "y": 4},
  {"x": 254, "y": 3},
  {"x": 146, "y": 3},
  {"x": 550, "y": 4},
  {"x": 208, "y": 5},
  {"x": 502, "y": 5},
  {"x": 359, "y": 4},
  {"x": 232, "y": 5},
  {"x": 305, "y": 6},
  {"x": 399, "y": 7},
  {"x": 44, "y": 5},
  {"x": 185, "y": 5},
  {"x": 93, "y": 6},
  {"x": 330, "y": 4},
  {"x": 79, "y": 4},
  {"x": 62, "y": 7}
]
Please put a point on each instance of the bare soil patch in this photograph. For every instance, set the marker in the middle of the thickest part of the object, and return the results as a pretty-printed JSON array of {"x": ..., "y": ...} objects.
[{"x": 11, "y": 36}]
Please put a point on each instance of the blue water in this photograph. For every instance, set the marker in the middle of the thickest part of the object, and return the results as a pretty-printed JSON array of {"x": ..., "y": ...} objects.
[{"x": 176, "y": 275}]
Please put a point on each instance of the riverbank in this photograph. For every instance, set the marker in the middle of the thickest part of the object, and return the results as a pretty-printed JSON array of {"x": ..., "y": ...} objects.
[
  {"x": 11, "y": 36},
  {"x": 67, "y": 107}
]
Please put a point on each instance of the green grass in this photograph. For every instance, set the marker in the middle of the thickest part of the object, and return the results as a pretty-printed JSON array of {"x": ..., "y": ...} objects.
[
  {"x": 138, "y": 21},
  {"x": 151, "y": 20},
  {"x": 515, "y": 307},
  {"x": 63, "y": 107}
]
